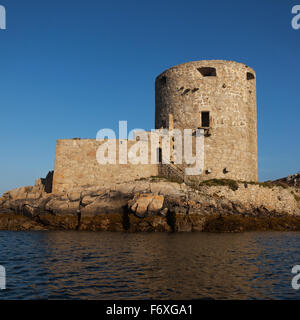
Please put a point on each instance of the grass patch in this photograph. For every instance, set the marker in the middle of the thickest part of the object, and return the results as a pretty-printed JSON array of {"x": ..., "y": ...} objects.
[
  {"x": 232, "y": 184},
  {"x": 268, "y": 184},
  {"x": 169, "y": 179},
  {"x": 140, "y": 179},
  {"x": 160, "y": 178}
]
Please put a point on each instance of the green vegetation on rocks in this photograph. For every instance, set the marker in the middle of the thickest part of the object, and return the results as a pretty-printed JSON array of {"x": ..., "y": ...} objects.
[
  {"x": 232, "y": 184},
  {"x": 268, "y": 184}
]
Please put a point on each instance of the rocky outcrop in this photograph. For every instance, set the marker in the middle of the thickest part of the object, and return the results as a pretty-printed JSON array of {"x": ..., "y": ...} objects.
[
  {"x": 150, "y": 205},
  {"x": 292, "y": 180},
  {"x": 146, "y": 204}
]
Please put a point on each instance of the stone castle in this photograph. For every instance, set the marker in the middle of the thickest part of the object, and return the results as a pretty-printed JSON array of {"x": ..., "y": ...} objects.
[
  {"x": 214, "y": 95},
  {"x": 215, "y": 101}
]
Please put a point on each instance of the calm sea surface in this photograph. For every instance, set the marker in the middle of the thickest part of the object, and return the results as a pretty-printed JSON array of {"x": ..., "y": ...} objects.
[{"x": 87, "y": 265}]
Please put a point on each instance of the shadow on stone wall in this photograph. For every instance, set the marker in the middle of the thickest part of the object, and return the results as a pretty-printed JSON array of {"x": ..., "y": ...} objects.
[{"x": 48, "y": 181}]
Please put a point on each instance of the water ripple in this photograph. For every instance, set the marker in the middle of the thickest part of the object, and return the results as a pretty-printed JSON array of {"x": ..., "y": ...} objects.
[{"x": 87, "y": 265}]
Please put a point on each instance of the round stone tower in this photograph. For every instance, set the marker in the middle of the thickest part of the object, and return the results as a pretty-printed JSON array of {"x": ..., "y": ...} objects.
[{"x": 220, "y": 98}]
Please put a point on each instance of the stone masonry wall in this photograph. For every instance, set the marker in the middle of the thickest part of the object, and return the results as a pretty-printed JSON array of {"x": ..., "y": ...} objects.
[
  {"x": 227, "y": 90},
  {"x": 76, "y": 166}
]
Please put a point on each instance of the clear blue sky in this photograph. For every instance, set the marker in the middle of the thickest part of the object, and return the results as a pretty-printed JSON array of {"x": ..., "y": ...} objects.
[{"x": 70, "y": 68}]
